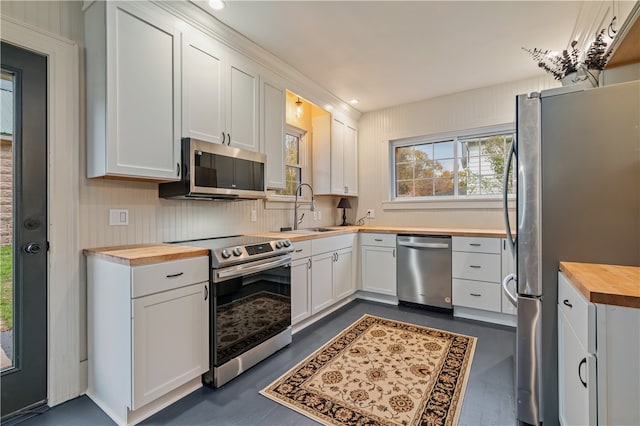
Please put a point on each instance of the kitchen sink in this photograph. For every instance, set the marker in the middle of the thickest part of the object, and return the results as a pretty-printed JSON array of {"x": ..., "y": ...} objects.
[{"x": 311, "y": 230}]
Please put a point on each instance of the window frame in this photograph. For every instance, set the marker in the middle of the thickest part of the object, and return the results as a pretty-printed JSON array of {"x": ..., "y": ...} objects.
[
  {"x": 303, "y": 163},
  {"x": 455, "y": 136}
]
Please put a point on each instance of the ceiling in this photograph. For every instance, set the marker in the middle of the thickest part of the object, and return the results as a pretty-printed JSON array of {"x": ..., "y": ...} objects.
[{"x": 387, "y": 53}]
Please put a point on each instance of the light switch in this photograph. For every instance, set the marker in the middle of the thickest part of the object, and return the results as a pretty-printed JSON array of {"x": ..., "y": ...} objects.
[{"x": 254, "y": 216}]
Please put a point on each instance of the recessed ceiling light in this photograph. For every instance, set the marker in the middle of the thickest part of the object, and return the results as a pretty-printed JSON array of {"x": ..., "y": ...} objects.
[
  {"x": 216, "y": 4},
  {"x": 353, "y": 101}
]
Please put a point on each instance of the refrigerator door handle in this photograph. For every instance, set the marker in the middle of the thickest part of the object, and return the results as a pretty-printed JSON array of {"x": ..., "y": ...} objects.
[
  {"x": 505, "y": 191},
  {"x": 505, "y": 283}
]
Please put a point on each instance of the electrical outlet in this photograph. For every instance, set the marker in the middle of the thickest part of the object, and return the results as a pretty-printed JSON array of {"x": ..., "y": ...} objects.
[
  {"x": 319, "y": 215},
  {"x": 315, "y": 215},
  {"x": 254, "y": 216},
  {"x": 118, "y": 217},
  {"x": 371, "y": 213}
]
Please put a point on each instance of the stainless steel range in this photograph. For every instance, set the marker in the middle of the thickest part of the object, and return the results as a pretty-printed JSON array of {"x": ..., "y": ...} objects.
[{"x": 250, "y": 309}]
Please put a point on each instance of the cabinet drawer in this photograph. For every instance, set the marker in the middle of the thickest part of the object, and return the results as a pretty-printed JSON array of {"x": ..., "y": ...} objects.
[
  {"x": 580, "y": 314},
  {"x": 149, "y": 279},
  {"x": 380, "y": 240},
  {"x": 476, "y": 294},
  {"x": 476, "y": 244},
  {"x": 476, "y": 266},
  {"x": 327, "y": 244},
  {"x": 301, "y": 249}
]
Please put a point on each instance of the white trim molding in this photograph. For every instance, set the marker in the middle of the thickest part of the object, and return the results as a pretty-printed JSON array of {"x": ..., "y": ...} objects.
[{"x": 63, "y": 299}]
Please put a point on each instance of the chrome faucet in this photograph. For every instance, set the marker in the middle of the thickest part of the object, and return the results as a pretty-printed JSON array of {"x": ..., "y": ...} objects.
[{"x": 297, "y": 221}]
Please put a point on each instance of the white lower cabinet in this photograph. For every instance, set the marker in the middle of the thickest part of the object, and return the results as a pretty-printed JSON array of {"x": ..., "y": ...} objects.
[
  {"x": 148, "y": 334},
  {"x": 300, "y": 281},
  {"x": 598, "y": 367},
  {"x": 332, "y": 272},
  {"x": 478, "y": 266},
  {"x": 379, "y": 263}
]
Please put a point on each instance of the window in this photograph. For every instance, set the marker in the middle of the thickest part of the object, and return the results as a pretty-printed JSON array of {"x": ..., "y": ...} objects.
[
  {"x": 467, "y": 164},
  {"x": 294, "y": 160}
]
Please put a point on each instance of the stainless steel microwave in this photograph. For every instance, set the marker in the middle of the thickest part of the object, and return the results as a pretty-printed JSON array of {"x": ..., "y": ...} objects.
[{"x": 215, "y": 171}]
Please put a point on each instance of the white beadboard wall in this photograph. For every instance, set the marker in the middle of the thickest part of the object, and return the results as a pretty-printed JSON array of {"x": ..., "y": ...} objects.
[
  {"x": 63, "y": 18},
  {"x": 481, "y": 107}
]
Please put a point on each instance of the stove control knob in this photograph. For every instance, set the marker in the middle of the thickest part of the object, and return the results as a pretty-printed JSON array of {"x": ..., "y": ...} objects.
[
  {"x": 237, "y": 251},
  {"x": 225, "y": 254},
  {"x": 278, "y": 244},
  {"x": 286, "y": 243}
]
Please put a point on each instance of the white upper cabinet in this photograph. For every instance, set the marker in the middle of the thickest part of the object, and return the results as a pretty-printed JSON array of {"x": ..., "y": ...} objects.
[
  {"x": 272, "y": 121},
  {"x": 243, "y": 106},
  {"x": 203, "y": 107},
  {"x": 133, "y": 91},
  {"x": 221, "y": 90},
  {"x": 335, "y": 156}
]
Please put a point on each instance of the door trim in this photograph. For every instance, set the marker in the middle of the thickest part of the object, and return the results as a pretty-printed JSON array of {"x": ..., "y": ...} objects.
[{"x": 63, "y": 298}]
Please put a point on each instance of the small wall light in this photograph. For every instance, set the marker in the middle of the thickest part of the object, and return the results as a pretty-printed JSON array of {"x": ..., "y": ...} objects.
[{"x": 299, "y": 109}]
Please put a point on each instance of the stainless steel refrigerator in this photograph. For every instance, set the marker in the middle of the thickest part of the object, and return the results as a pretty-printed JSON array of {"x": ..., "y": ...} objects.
[{"x": 577, "y": 156}]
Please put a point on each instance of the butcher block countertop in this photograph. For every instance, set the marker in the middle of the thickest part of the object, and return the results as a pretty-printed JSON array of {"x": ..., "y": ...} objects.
[
  {"x": 143, "y": 254},
  {"x": 300, "y": 235},
  {"x": 605, "y": 284}
]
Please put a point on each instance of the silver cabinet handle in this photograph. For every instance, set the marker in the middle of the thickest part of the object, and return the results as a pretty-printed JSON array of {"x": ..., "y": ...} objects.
[
  {"x": 222, "y": 138},
  {"x": 175, "y": 275},
  {"x": 309, "y": 264},
  {"x": 475, "y": 294},
  {"x": 475, "y": 244},
  {"x": 378, "y": 240},
  {"x": 566, "y": 303},
  {"x": 298, "y": 250},
  {"x": 228, "y": 138},
  {"x": 394, "y": 252},
  {"x": 177, "y": 169},
  {"x": 475, "y": 266},
  {"x": 423, "y": 245},
  {"x": 206, "y": 292}
]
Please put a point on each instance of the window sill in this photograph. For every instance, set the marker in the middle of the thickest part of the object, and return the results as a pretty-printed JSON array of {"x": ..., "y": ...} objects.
[{"x": 482, "y": 203}]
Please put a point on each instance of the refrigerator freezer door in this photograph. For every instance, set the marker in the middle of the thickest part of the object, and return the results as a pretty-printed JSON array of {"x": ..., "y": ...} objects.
[
  {"x": 528, "y": 354},
  {"x": 529, "y": 186}
]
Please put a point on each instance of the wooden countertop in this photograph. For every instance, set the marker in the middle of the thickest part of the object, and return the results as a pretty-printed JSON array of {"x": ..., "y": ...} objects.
[
  {"x": 605, "y": 284},
  {"x": 339, "y": 230},
  {"x": 142, "y": 254}
]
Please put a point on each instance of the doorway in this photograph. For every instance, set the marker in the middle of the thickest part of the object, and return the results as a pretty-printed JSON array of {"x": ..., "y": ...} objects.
[{"x": 23, "y": 232}]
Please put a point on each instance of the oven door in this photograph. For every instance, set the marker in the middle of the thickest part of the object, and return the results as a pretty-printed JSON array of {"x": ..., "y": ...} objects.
[{"x": 251, "y": 303}]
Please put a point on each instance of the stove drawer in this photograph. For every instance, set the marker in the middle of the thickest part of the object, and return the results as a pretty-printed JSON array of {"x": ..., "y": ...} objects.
[{"x": 149, "y": 279}]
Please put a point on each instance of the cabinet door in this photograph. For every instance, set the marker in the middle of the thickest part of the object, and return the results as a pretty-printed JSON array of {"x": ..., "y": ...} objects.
[
  {"x": 170, "y": 334},
  {"x": 379, "y": 270},
  {"x": 321, "y": 282},
  {"x": 143, "y": 86},
  {"x": 343, "y": 283},
  {"x": 272, "y": 124},
  {"x": 350, "y": 159},
  {"x": 243, "y": 107},
  {"x": 300, "y": 291},
  {"x": 202, "y": 88},
  {"x": 508, "y": 267},
  {"x": 577, "y": 387},
  {"x": 337, "y": 157}
]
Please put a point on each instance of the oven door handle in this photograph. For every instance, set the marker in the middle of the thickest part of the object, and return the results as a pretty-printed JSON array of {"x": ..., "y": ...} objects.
[{"x": 250, "y": 268}]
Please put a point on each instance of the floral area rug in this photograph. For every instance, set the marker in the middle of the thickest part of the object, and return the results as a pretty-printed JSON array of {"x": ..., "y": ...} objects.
[{"x": 380, "y": 372}]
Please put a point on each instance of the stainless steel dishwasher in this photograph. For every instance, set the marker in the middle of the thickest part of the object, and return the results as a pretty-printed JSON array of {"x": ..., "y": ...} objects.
[{"x": 424, "y": 270}]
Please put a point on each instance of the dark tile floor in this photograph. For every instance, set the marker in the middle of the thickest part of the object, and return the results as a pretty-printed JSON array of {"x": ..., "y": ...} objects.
[{"x": 489, "y": 398}]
